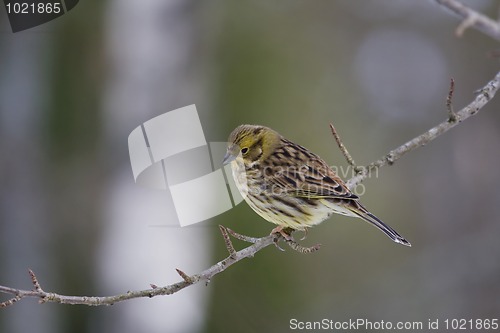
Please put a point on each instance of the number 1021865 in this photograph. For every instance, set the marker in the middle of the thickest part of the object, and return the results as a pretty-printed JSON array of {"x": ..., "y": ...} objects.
[
  {"x": 33, "y": 8},
  {"x": 470, "y": 324}
]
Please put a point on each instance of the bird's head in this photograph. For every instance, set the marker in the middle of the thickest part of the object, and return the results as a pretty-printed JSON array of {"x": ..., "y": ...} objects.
[{"x": 251, "y": 143}]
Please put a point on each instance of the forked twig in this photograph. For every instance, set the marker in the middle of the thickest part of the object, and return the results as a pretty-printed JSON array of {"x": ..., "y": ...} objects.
[
  {"x": 227, "y": 240},
  {"x": 471, "y": 19},
  {"x": 343, "y": 148},
  {"x": 292, "y": 243}
]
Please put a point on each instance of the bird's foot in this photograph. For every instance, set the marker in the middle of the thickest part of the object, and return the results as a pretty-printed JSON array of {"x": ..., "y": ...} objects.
[{"x": 284, "y": 232}]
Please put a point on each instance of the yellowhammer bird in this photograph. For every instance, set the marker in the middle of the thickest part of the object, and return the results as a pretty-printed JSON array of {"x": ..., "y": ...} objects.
[{"x": 290, "y": 186}]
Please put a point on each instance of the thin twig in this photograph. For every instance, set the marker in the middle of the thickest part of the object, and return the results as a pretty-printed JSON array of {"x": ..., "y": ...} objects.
[
  {"x": 452, "y": 116},
  {"x": 244, "y": 238},
  {"x": 10, "y": 302},
  {"x": 34, "y": 280},
  {"x": 471, "y": 19},
  {"x": 227, "y": 240},
  {"x": 343, "y": 148},
  {"x": 184, "y": 276},
  {"x": 466, "y": 23}
]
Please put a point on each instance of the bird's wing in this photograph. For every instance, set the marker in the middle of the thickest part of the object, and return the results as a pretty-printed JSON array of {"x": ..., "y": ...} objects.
[{"x": 312, "y": 179}]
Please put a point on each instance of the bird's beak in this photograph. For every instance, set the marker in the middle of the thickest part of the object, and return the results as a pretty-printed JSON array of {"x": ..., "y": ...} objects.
[
  {"x": 228, "y": 158},
  {"x": 231, "y": 154}
]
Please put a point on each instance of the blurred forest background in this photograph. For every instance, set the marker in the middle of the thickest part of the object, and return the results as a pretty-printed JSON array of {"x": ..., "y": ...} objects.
[{"x": 73, "y": 89}]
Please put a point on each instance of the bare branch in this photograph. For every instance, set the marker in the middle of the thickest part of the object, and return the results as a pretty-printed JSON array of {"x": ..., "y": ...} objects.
[
  {"x": 9, "y": 302},
  {"x": 242, "y": 237},
  {"x": 34, "y": 280},
  {"x": 452, "y": 116},
  {"x": 343, "y": 148},
  {"x": 206, "y": 275},
  {"x": 483, "y": 97},
  {"x": 227, "y": 240},
  {"x": 471, "y": 19}
]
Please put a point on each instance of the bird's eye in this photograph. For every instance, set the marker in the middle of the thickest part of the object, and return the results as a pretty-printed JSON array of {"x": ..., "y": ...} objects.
[{"x": 244, "y": 150}]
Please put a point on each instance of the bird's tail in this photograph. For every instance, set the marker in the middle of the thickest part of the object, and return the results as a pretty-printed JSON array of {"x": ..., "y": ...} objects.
[{"x": 372, "y": 219}]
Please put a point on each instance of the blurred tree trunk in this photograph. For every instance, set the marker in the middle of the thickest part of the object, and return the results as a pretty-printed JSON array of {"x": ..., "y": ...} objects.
[
  {"x": 150, "y": 52},
  {"x": 24, "y": 231}
]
